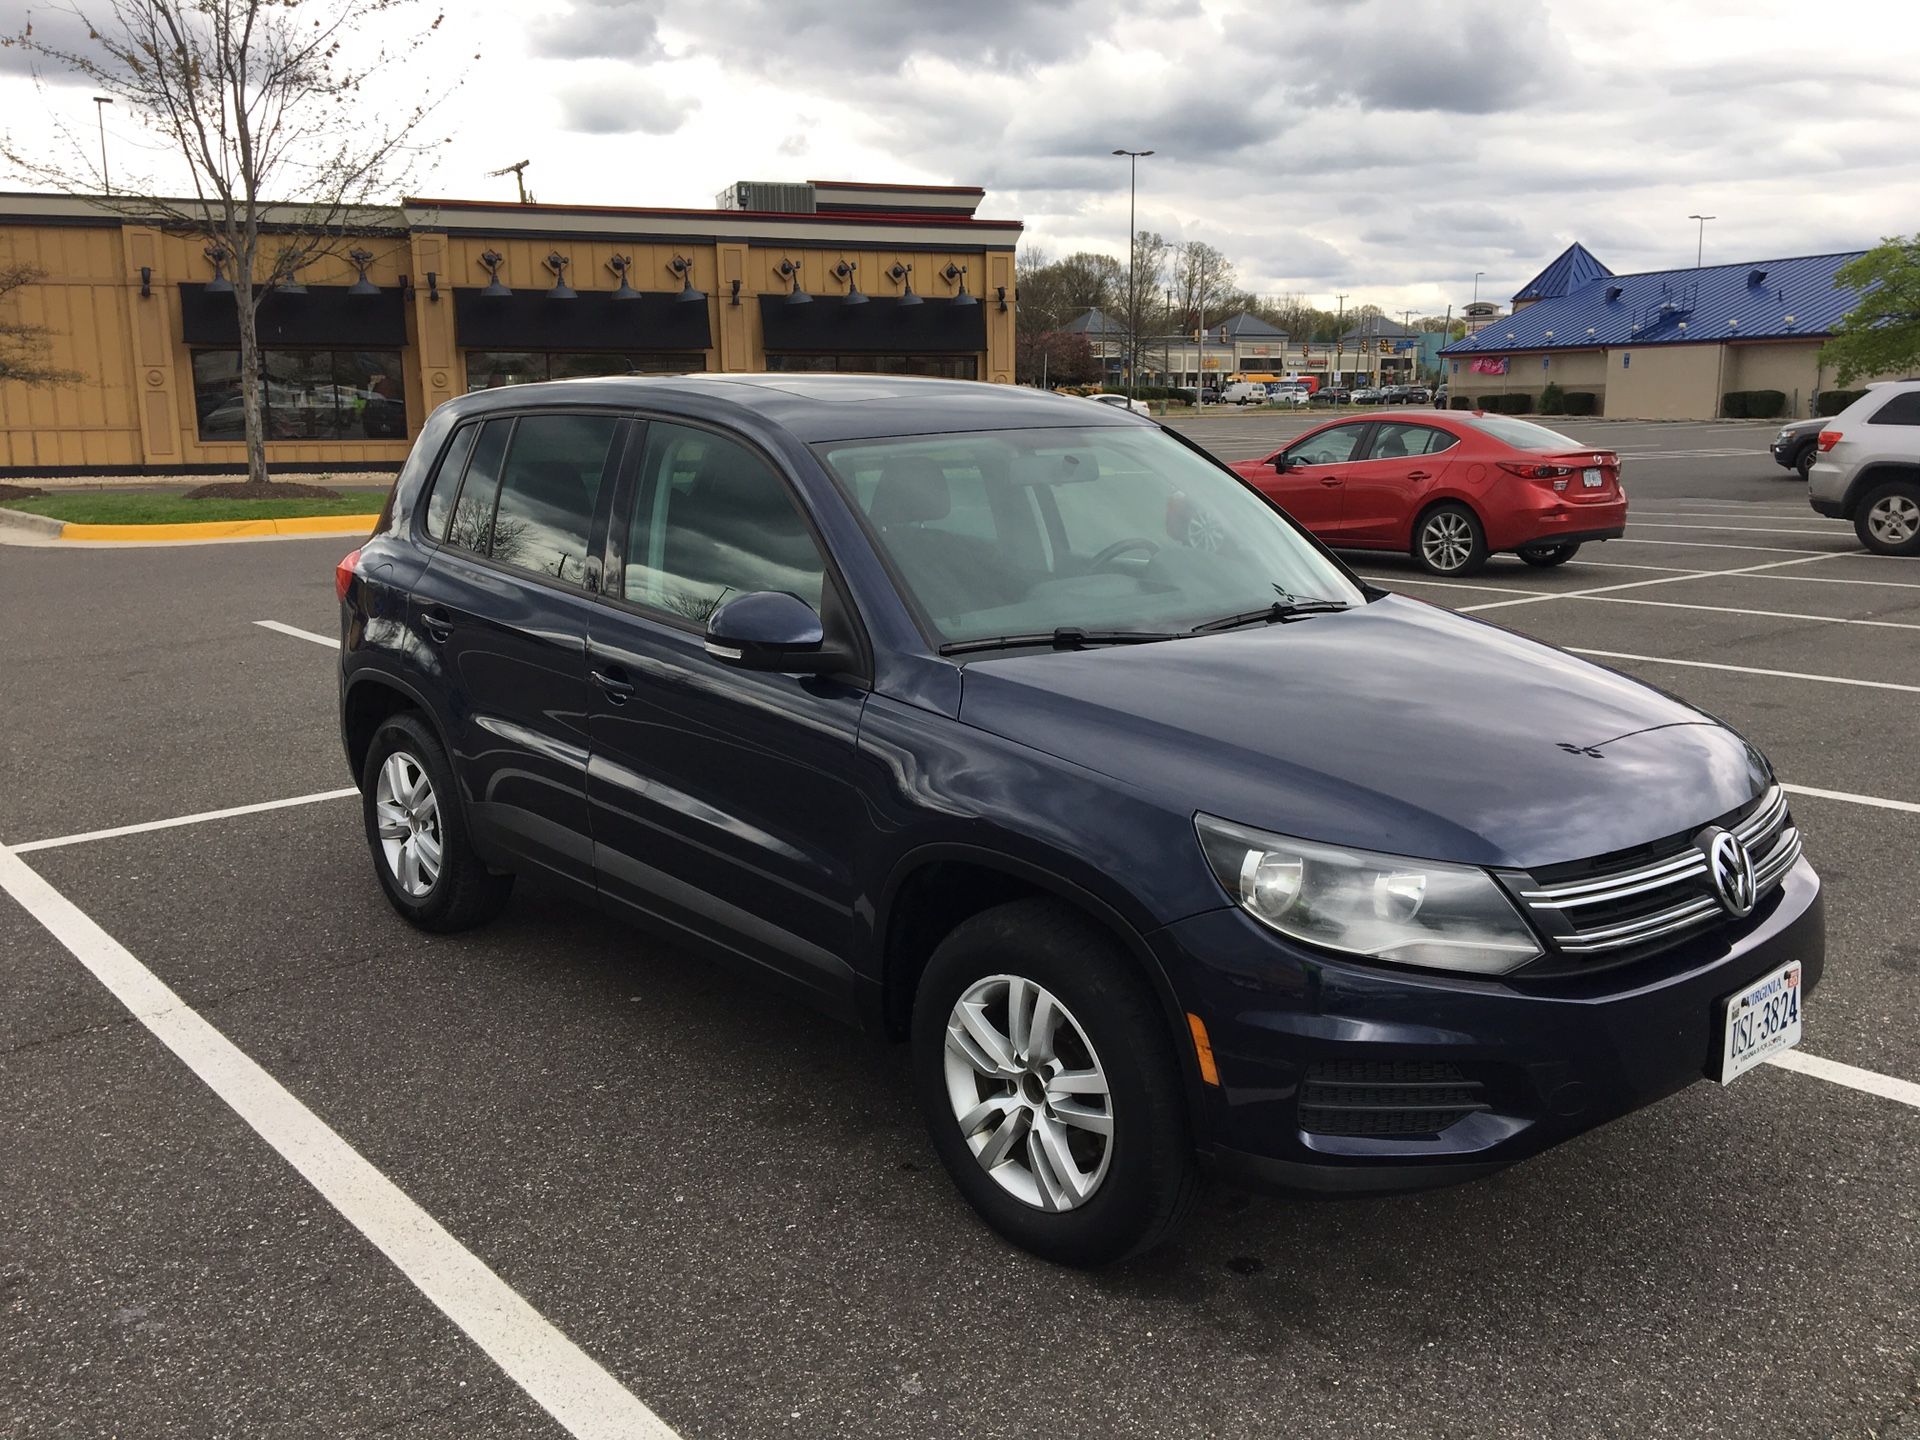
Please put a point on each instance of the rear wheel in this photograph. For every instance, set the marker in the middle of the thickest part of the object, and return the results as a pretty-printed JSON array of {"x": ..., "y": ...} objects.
[
  {"x": 1545, "y": 557},
  {"x": 1448, "y": 540},
  {"x": 1888, "y": 520},
  {"x": 1050, "y": 1086},
  {"x": 417, "y": 832}
]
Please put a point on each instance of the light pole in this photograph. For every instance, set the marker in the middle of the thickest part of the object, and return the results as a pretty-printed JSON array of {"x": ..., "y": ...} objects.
[
  {"x": 1476, "y": 285},
  {"x": 1134, "y": 157},
  {"x": 1700, "y": 244},
  {"x": 1339, "y": 340},
  {"x": 100, "y": 103}
]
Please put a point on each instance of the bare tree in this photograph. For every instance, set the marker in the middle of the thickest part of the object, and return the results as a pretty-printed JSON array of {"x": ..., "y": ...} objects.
[
  {"x": 254, "y": 98},
  {"x": 1203, "y": 281},
  {"x": 1142, "y": 310},
  {"x": 26, "y": 349}
]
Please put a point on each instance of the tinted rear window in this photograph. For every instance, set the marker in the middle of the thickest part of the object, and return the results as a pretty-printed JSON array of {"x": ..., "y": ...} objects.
[
  {"x": 1900, "y": 410},
  {"x": 1525, "y": 435}
]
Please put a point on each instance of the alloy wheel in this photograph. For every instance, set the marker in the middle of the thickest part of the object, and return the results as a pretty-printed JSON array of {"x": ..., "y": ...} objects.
[
  {"x": 408, "y": 815},
  {"x": 1446, "y": 541},
  {"x": 1204, "y": 531},
  {"x": 1029, "y": 1093},
  {"x": 1894, "y": 519}
]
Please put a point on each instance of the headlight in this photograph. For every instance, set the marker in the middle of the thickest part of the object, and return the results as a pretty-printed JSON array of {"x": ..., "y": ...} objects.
[{"x": 1409, "y": 912}]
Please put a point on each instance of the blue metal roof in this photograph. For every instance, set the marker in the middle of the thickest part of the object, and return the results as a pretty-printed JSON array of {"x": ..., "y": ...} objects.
[
  {"x": 1572, "y": 268},
  {"x": 1757, "y": 299}
]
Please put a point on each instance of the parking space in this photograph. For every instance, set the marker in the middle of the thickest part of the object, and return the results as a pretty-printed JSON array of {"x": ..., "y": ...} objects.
[{"x": 730, "y": 1205}]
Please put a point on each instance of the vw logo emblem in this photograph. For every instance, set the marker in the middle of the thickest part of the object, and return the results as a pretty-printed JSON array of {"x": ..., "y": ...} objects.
[{"x": 1729, "y": 871}]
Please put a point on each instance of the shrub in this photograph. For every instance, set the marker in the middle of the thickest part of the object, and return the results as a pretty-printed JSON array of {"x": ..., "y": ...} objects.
[
  {"x": 1765, "y": 404},
  {"x": 1832, "y": 402},
  {"x": 1582, "y": 402},
  {"x": 1461, "y": 402},
  {"x": 1553, "y": 400},
  {"x": 1489, "y": 403},
  {"x": 1733, "y": 405},
  {"x": 1519, "y": 405}
]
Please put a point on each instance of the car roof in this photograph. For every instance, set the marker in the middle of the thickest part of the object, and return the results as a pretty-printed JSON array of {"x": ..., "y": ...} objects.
[{"x": 814, "y": 407}]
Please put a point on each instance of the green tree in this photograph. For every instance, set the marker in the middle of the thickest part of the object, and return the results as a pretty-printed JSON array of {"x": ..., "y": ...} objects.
[{"x": 1881, "y": 335}]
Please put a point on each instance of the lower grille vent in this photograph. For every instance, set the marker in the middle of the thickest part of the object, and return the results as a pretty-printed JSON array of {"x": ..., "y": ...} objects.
[{"x": 1400, "y": 1098}]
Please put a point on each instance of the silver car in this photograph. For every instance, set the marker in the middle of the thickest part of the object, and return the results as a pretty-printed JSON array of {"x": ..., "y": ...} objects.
[{"x": 1867, "y": 468}]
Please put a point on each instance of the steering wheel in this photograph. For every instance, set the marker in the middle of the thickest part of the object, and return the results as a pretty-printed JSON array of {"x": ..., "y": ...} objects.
[{"x": 1121, "y": 547}]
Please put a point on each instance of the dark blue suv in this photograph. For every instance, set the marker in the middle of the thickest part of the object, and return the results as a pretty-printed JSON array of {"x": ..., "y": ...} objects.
[{"x": 1019, "y": 728}]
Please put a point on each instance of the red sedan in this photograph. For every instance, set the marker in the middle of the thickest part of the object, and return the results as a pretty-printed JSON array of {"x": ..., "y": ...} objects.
[{"x": 1448, "y": 488}]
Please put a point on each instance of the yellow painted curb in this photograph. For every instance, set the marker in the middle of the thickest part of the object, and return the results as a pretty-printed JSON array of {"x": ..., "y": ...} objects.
[{"x": 226, "y": 529}]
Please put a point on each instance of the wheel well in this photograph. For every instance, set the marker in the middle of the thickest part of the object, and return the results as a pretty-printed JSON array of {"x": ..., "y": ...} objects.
[
  {"x": 369, "y": 705},
  {"x": 1442, "y": 503},
  {"x": 1872, "y": 476}
]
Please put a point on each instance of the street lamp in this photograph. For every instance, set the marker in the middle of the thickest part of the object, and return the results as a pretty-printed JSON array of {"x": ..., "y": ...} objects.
[
  {"x": 1700, "y": 244},
  {"x": 1134, "y": 157},
  {"x": 1476, "y": 285},
  {"x": 100, "y": 103}
]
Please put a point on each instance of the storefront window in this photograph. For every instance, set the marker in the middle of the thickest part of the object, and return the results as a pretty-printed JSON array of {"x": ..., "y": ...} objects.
[
  {"x": 490, "y": 369},
  {"x": 304, "y": 394},
  {"x": 949, "y": 367}
]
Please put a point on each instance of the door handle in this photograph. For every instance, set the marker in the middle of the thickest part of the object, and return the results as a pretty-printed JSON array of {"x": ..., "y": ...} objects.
[
  {"x": 1418, "y": 475},
  {"x": 437, "y": 623},
  {"x": 1329, "y": 479},
  {"x": 618, "y": 689}
]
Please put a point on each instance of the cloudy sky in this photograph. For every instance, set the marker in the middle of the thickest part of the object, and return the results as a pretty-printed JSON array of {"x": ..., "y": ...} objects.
[{"x": 1385, "y": 148}]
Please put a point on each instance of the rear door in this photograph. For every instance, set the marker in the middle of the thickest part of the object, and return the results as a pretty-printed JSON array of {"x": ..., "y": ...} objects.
[
  {"x": 725, "y": 802},
  {"x": 501, "y": 612},
  {"x": 1384, "y": 490},
  {"x": 1311, "y": 487}
]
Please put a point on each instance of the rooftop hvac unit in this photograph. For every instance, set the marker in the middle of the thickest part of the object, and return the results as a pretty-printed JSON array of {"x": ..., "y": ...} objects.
[{"x": 768, "y": 195}]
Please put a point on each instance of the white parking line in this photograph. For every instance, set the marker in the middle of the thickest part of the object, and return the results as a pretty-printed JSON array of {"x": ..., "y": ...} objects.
[
  {"x": 1836, "y": 533},
  {"x": 563, "y": 1379},
  {"x": 144, "y": 826},
  {"x": 1806, "y": 559},
  {"x": 299, "y": 634},
  {"x": 1763, "y": 614},
  {"x": 1841, "y": 580},
  {"x": 1745, "y": 670},
  {"x": 1877, "y": 801},
  {"x": 1851, "y": 1076},
  {"x": 1450, "y": 584},
  {"x": 1749, "y": 513},
  {"x": 1628, "y": 565}
]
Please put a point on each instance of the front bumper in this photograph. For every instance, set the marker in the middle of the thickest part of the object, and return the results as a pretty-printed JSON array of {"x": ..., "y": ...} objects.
[{"x": 1546, "y": 1059}]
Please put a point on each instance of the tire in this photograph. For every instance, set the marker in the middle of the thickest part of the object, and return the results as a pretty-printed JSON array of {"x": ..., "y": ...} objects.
[
  {"x": 1125, "y": 1191},
  {"x": 1803, "y": 459},
  {"x": 459, "y": 891},
  {"x": 1545, "y": 557},
  {"x": 1449, "y": 540},
  {"x": 1888, "y": 518}
]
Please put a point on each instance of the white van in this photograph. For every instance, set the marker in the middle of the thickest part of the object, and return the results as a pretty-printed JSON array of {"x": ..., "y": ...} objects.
[{"x": 1244, "y": 392}]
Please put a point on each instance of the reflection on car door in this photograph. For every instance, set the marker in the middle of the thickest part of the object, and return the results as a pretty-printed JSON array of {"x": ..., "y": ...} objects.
[
  {"x": 1311, "y": 488},
  {"x": 725, "y": 802},
  {"x": 502, "y": 609},
  {"x": 1402, "y": 463}
]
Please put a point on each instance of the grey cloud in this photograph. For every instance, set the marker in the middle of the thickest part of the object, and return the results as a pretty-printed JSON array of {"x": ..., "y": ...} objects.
[
  {"x": 627, "y": 30},
  {"x": 620, "y": 106}
]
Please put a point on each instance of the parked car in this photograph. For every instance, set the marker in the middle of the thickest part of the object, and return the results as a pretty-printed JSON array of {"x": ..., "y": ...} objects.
[
  {"x": 1335, "y": 395},
  {"x": 1866, "y": 468},
  {"x": 1368, "y": 395},
  {"x": 1244, "y": 392},
  {"x": 1795, "y": 447},
  {"x": 1024, "y": 732},
  {"x": 1440, "y": 398},
  {"x": 1289, "y": 392},
  {"x": 1449, "y": 488},
  {"x": 1122, "y": 402}
]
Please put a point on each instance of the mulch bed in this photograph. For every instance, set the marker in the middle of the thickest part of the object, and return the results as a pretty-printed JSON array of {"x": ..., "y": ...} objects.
[
  {"x": 19, "y": 492},
  {"x": 271, "y": 490}
]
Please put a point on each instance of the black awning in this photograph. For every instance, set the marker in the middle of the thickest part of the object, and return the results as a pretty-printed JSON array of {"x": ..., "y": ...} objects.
[
  {"x": 594, "y": 320},
  {"x": 882, "y": 326},
  {"x": 325, "y": 315}
]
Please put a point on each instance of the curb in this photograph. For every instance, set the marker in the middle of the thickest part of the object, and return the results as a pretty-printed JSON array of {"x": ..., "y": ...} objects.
[
  {"x": 212, "y": 529},
  {"x": 32, "y": 524}
]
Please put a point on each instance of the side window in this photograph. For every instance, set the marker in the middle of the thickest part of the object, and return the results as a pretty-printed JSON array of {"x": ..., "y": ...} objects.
[
  {"x": 472, "y": 525},
  {"x": 1900, "y": 410},
  {"x": 446, "y": 480},
  {"x": 548, "y": 489},
  {"x": 711, "y": 519},
  {"x": 1329, "y": 447},
  {"x": 1399, "y": 441}
]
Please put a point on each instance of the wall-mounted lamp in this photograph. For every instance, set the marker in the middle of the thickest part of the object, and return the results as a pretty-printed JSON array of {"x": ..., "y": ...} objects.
[
  {"x": 734, "y": 298},
  {"x": 1549, "y": 335},
  {"x": 1681, "y": 326},
  {"x": 146, "y": 285},
  {"x": 958, "y": 272},
  {"x": 1589, "y": 332},
  {"x": 407, "y": 292},
  {"x": 1000, "y": 293},
  {"x": 361, "y": 260},
  {"x": 787, "y": 270},
  {"x": 218, "y": 255},
  {"x": 902, "y": 274},
  {"x": 845, "y": 271},
  {"x": 493, "y": 260},
  {"x": 1733, "y": 324},
  {"x": 557, "y": 263},
  {"x": 683, "y": 267},
  {"x": 619, "y": 265},
  {"x": 1786, "y": 319},
  {"x": 433, "y": 285}
]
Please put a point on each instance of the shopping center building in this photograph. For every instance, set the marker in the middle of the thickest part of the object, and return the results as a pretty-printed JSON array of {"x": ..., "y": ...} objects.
[{"x": 434, "y": 298}]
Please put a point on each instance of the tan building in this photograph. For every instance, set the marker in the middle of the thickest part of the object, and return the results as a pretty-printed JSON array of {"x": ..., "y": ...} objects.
[
  {"x": 1662, "y": 345},
  {"x": 447, "y": 296}
]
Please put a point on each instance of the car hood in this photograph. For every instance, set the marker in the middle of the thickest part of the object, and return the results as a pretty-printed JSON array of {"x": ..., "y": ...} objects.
[{"x": 1393, "y": 726}]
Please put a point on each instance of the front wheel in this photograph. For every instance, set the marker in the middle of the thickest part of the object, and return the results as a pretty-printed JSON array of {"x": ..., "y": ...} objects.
[
  {"x": 1803, "y": 461},
  {"x": 1448, "y": 540},
  {"x": 1545, "y": 557},
  {"x": 1888, "y": 520},
  {"x": 1049, "y": 1082}
]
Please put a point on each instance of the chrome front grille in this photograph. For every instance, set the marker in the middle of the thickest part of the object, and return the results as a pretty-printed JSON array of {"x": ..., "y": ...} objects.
[{"x": 1650, "y": 897}]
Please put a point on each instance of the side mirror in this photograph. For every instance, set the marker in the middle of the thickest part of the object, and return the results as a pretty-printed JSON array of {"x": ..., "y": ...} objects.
[
  {"x": 1280, "y": 463},
  {"x": 770, "y": 630}
]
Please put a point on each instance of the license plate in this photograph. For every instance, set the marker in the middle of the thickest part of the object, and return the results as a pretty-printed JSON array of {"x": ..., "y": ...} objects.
[
  {"x": 1592, "y": 479},
  {"x": 1761, "y": 1020}
]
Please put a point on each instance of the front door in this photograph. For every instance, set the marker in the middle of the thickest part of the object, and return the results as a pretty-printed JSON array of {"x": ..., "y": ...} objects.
[
  {"x": 502, "y": 611},
  {"x": 1385, "y": 488},
  {"x": 1311, "y": 488},
  {"x": 725, "y": 801}
]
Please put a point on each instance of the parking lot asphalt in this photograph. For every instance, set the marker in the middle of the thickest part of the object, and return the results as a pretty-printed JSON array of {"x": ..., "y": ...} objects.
[{"x": 731, "y": 1206}]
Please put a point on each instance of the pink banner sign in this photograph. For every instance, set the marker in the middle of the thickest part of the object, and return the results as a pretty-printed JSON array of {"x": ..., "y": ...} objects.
[{"x": 1489, "y": 367}]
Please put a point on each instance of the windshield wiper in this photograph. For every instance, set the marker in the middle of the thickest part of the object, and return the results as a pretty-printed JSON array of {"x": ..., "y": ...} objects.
[
  {"x": 1280, "y": 610},
  {"x": 1067, "y": 637}
]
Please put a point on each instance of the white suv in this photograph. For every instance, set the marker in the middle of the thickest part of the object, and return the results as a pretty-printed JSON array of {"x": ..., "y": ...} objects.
[{"x": 1867, "y": 468}]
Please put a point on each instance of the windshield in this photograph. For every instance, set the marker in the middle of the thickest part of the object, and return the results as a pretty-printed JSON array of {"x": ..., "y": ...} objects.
[
  {"x": 1525, "y": 435},
  {"x": 1013, "y": 532}
]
